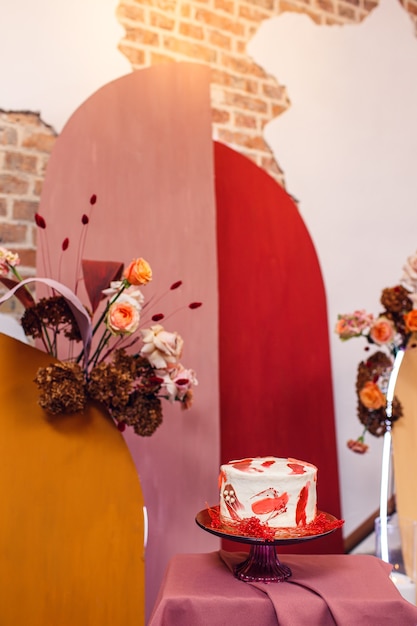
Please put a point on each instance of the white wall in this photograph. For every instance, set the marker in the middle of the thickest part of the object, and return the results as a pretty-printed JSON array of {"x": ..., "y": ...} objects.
[
  {"x": 347, "y": 147},
  {"x": 54, "y": 55}
]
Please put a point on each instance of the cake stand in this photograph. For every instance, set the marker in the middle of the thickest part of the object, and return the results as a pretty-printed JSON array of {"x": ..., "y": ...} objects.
[{"x": 262, "y": 563}]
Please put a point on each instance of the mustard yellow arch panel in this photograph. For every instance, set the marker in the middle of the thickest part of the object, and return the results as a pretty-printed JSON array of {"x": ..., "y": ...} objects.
[{"x": 71, "y": 510}]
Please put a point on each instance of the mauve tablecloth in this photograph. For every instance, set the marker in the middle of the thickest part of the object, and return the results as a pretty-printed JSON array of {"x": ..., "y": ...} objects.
[{"x": 324, "y": 590}]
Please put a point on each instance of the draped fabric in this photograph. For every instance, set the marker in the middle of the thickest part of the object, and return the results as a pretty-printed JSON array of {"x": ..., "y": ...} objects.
[{"x": 324, "y": 590}]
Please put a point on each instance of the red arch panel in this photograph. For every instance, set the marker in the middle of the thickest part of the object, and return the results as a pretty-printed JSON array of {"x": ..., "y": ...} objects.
[{"x": 275, "y": 378}]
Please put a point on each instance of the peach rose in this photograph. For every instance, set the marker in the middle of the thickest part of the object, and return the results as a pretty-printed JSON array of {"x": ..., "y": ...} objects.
[
  {"x": 123, "y": 317},
  {"x": 162, "y": 348},
  {"x": 371, "y": 396},
  {"x": 138, "y": 273},
  {"x": 382, "y": 331},
  {"x": 411, "y": 320}
]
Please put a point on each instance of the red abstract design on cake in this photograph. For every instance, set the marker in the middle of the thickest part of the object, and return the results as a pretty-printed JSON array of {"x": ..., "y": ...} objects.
[
  {"x": 271, "y": 503},
  {"x": 232, "y": 503},
  {"x": 300, "y": 513}
]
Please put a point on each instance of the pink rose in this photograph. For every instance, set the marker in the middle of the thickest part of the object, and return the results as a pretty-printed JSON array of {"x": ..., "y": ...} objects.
[
  {"x": 409, "y": 277},
  {"x": 123, "y": 317},
  {"x": 353, "y": 324},
  {"x": 161, "y": 347},
  {"x": 178, "y": 383}
]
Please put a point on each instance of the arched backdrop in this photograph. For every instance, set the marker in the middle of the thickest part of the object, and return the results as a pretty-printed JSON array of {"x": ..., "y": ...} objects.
[{"x": 143, "y": 144}]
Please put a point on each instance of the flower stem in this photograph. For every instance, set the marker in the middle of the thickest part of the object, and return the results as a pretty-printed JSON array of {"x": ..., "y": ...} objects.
[{"x": 107, "y": 334}]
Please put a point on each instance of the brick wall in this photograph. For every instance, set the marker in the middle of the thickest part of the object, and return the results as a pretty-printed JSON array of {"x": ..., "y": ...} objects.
[
  {"x": 25, "y": 145},
  {"x": 214, "y": 32}
]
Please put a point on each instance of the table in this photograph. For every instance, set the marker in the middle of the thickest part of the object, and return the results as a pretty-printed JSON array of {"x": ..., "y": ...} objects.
[{"x": 324, "y": 590}]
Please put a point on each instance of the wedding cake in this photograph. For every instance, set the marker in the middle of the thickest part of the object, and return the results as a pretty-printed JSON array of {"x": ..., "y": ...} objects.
[{"x": 278, "y": 492}]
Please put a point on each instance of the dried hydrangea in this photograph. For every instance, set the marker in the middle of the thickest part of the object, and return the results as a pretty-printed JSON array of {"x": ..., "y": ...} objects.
[
  {"x": 128, "y": 387},
  {"x": 53, "y": 312},
  {"x": 109, "y": 385},
  {"x": 62, "y": 388},
  {"x": 396, "y": 299},
  {"x": 144, "y": 414}
]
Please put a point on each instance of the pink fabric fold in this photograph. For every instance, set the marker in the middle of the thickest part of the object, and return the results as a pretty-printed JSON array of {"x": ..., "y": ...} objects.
[
  {"x": 334, "y": 589},
  {"x": 324, "y": 590}
]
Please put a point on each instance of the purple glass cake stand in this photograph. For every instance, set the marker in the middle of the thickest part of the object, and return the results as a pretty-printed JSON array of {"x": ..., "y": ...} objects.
[{"x": 262, "y": 563}]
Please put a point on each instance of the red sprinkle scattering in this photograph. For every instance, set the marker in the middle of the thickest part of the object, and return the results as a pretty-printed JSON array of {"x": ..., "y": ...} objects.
[{"x": 252, "y": 527}]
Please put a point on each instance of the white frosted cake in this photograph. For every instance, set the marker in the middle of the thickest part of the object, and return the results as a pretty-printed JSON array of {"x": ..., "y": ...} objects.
[{"x": 278, "y": 492}]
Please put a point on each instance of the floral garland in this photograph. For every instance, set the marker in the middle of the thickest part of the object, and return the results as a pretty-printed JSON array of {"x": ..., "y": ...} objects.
[
  {"x": 390, "y": 331},
  {"x": 130, "y": 369}
]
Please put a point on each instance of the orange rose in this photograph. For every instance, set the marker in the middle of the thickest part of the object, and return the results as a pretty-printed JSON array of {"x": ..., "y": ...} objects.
[
  {"x": 371, "y": 396},
  {"x": 411, "y": 320},
  {"x": 138, "y": 273},
  {"x": 382, "y": 331},
  {"x": 122, "y": 318}
]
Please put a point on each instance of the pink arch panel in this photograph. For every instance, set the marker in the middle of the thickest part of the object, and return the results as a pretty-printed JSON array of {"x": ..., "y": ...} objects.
[{"x": 143, "y": 144}]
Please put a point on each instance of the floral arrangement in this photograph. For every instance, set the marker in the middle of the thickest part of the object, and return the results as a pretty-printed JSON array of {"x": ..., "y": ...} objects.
[
  {"x": 389, "y": 332},
  {"x": 114, "y": 360}
]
